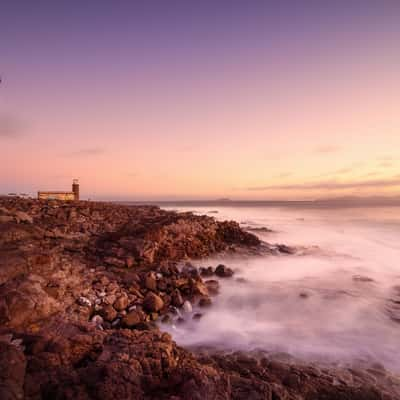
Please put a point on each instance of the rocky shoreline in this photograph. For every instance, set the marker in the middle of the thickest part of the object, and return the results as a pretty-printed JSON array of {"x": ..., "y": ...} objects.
[{"x": 85, "y": 288}]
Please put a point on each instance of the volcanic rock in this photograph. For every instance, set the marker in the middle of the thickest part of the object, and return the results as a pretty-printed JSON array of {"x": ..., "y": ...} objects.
[
  {"x": 187, "y": 306},
  {"x": 21, "y": 216},
  {"x": 223, "y": 272},
  {"x": 152, "y": 302},
  {"x": 109, "y": 313},
  {"x": 151, "y": 281},
  {"x": 133, "y": 318},
  {"x": 205, "y": 302},
  {"x": 212, "y": 286},
  {"x": 122, "y": 302},
  {"x": 206, "y": 272},
  {"x": 177, "y": 299}
]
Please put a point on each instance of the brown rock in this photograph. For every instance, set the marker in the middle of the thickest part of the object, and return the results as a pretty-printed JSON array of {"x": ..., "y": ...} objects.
[
  {"x": 197, "y": 316},
  {"x": 109, "y": 313},
  {"x": 152, "y": 302},
  {"x": 205, "y": 302},
  {"x": 199, "y": 288},
  {"x": 151, "y": 281},
  {"x": 130, "y": 262},
  {"x": 177, "y": 299},
  {"x": 223, "y": 271},
  {"x": 6, "y": 218},
  {"x": 209, "y": 271},
  {"x": 212, "y": 286},
  {"x": 122, "y": 302},
  {"x": 21, "y": 216},
  {"x": 115, "y": 262},
  {"x": 133, "y": 318}
]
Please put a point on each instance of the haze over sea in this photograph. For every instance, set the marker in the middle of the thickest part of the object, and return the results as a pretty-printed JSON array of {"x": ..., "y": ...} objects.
[{"x": 336, "y": 299}]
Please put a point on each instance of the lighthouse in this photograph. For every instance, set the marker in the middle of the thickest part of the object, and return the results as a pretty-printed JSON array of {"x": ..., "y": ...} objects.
[{"x": 75, "y": 189}]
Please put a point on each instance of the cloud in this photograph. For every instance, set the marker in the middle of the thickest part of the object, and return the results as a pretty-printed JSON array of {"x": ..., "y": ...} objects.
[
  {"x": 344, "y": 170},
  {"x": 87, "y": 152},
  {"x": 332, "y": 185},
  {"x": 386, "y": 158},
  {"x": 386, "y": 164},
  {"x": 11, "y": 127},
  {"x": 327, "y": 149},
  {"x": 372, "y": 174},
  {"x": 339, "y": 171},
  {"x": 284, "y": 174}
]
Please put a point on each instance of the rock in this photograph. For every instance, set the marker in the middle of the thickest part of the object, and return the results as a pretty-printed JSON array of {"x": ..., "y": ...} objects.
[
  {"x": 199, "y": 288},
  {"x": 133, "y": 318},
  {"x": 212, "y": 286},
  {"x": 361, "y": 278},
  {"x": 205, "y": 302},
  {"x": 83, "y": 301},
  {"x": 152, "y": 302},
  {"x": 110, "y": 299},
  {"x": 151, "y": 281},
  {"x": 130, "y": 262},
  {"x": 197, "y": 316},
  {"x": 177, "y": 299},
  {"x": 223, "y": 272},
  {"x": 114, "y": 262},
  {"x": 286, "y": 249},
  {"x": 187, "y": 306},
  {"x": 262, "y": 229},
  {"x": 97, "y": 319},
  {"x": 5, "y": 218},
  {"x": 109, "y": 313},
  {"x": 166, "y": 319},
  {"x": 121, "y": 303},
  {"x": 21, "y": 216},
  {"x": 209, "y": 271},
  {"x": 12, "y": 371}
]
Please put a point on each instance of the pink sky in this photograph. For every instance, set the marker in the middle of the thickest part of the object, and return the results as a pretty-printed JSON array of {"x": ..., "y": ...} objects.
[{"x": 294, "y": 112}]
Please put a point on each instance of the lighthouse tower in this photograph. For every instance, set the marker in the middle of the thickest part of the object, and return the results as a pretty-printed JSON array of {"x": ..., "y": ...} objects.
[{"x": 75, "y": 189}]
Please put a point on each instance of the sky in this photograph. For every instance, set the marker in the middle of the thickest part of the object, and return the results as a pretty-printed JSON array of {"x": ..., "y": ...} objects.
[{"x": 164, "y": 100}]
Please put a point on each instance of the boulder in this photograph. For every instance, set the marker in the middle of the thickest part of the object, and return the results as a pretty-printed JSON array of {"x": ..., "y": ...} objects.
[
  {"x": 152, "y": 302},
  {"x": 212, "y": 286},
  {"x": 21, "y": 216},
  {"x": 84, "y": 301},
  {"x": 205, "y": 302},
  {"x": 187, "y": 306},
  {"x": 151, "y": 281},
  {"x": 122, "y": 302},
  {"x": 109, "y": 313},
  {"x": 133, "y": 318},
  {"x": 206, "y": 272},
  {"x": 6, "y": 218},
  {"x": 223, "y": 271},
  {"x": 177, "y": 299}
]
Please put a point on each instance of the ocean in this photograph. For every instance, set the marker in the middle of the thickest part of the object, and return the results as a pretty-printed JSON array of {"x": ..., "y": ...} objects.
[{"x": 336, "y": 300}]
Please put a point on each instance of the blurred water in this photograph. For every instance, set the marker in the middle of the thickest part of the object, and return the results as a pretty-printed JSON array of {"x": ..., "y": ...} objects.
[{"x": 333, "y": 302}]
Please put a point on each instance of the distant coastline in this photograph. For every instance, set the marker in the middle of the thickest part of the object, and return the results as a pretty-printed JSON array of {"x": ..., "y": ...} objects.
[{"x": 342, "y": 202}]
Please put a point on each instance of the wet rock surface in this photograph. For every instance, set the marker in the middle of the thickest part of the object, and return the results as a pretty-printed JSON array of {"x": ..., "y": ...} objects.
[{"x": 84, "y": 285}]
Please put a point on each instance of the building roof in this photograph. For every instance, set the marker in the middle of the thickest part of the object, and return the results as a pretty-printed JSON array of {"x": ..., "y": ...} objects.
[{"x": 55, "y": 192}]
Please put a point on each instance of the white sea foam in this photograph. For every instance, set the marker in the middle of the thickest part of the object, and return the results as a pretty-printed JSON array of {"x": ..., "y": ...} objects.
[{"x": 330, "y": 303}]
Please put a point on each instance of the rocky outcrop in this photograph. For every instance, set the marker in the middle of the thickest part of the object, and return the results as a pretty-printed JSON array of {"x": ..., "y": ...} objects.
[
  {"x": 78, "y": 361},
  {"x": 84, "y": 259}
]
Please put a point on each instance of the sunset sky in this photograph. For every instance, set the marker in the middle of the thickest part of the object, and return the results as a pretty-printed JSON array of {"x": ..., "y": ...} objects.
[{"x": 200, "y": 99}]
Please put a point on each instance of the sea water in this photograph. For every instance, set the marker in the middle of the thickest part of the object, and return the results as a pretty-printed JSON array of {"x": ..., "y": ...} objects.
[{"x": 337, "y": 298}]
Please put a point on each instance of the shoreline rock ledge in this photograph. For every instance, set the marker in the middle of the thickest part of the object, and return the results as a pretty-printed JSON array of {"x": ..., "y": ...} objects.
[{"x": 83, "y": 286}]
